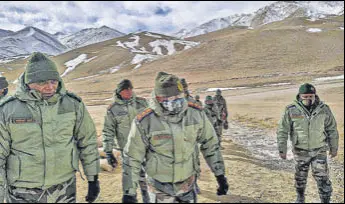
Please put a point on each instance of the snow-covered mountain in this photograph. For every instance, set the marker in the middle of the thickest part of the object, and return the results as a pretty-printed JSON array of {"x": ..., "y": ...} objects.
[
  {"x": 60, "y": 35},
  {"x": 274, "y": 12},
  {"x": 90, "y": 36},
  {"x": 4, "y": 33},
  {"x": 217, "y": 24},
  {"x": 27, "y": 41}
]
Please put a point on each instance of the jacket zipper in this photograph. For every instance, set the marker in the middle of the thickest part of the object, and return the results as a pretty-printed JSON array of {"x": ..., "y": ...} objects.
[{"x": 44, "y": 150}]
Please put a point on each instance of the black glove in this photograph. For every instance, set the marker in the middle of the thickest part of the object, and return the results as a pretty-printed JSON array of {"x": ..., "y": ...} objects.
[
  {"x": 93, "y": 190},
  {"x": 129, "y": 199},
  {"x": 219, "y": 122},
  {"x": 111, "y": 159},
  {"x": 226, "y": 125},
  {"x": 223, "y": 185}
]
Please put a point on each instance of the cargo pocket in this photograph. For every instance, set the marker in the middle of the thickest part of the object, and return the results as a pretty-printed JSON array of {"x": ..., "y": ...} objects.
[
  {"x": 151, "y": 166},
  {"x": 13, "y": 169}
]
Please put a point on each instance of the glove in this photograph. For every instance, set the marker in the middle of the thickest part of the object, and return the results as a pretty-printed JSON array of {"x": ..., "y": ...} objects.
[
  {"x": 93, "y": 190},
  {"x": 219, "y": 122},
  {"x": 226, "y": 125},
  {"x": 223, "y": 185},
  {"x": 111, "y": 159},
  {"x": 129, "y": 199}
]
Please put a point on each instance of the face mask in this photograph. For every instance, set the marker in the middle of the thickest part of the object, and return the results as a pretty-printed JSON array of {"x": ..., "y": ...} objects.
[
  {"x": 308, "y": 102},
  {"x": 173, "y": 106}
]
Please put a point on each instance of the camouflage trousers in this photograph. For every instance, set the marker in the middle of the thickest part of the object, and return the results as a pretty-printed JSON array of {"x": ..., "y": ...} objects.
[
  {"x": 317, "y": 159},
  {"x": 219, "y": 131},
  {"x": 142, "y": 183},
  {"x": 61, "y": 193},
  {"x": 182, "y": 192}
]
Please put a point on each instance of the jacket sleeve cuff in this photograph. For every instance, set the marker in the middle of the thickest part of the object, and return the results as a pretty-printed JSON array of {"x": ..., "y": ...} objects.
[{"x": 90, "y": 178}]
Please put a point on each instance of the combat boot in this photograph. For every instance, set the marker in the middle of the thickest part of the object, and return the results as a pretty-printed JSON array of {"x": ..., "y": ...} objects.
[
  {"x": 300, "y": 196},
  {"x": 325, "y": 199},
  {"x": 197, "y": 189}
]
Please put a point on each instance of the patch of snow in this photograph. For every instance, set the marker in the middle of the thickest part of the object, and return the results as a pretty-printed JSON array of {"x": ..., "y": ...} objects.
[
  {"x": 15, "y": 81},
  {"x": 134, "y": 43},
  {"x": 88, "y": 60},
  {"x": 152, "y": 35},
  {"x": 138, "y": 58},
  {"x": 71, "y": 65},
  {"x": 114, "y": 69},
  {"x": 314, "y": 30},
  {"x": 250, "y": 28},
  {"x": 137, "y": 66},
  {"x": 4, "y": 61},
  {"x": 341, "y": 28},
  {"x": 120, "y": 44},
  {"x": 329, "y": 78},
  {"x": 169, "y": 45},
  {"x": 277, "y": 84},
  {"x": 88, "y": 77},
  {"x": 224, "y": 89}
]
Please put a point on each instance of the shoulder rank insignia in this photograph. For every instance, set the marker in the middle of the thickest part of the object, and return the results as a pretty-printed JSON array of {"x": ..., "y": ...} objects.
[
  {"x": 110, "y": 106},
  {"x": 194, "y": 105},
  {"x": 144, "y": 114}
]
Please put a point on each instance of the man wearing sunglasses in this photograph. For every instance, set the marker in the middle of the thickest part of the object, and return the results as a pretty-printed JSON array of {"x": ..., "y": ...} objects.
[
  {"x": 165, "y": 135},
  {"x": 312, "y": 129},
  {"x": 44, "y": 132},
  {"x": 3, "y": 88},
  {"x": 117, "y": 123}
]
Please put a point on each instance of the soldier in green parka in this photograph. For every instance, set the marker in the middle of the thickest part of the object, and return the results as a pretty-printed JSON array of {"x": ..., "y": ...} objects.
[
  {"x": 165, "y": 135},
  {"x": 117, "y": 123},
  {"x": 3, "y": 88},
  {"x": 44, "y": 132},
  {"x": 312, "y": 129}
]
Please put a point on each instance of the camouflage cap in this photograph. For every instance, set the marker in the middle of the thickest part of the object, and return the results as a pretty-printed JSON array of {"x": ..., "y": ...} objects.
[
  {"x": 307, "y": 89},
  {"x": 40, "y": 68},
  {"x": 124, "y": 84},
  {"x": 184, "y": 83},
  {"x": 167, "y": 85},
  {"x": 3, "y": 83}
]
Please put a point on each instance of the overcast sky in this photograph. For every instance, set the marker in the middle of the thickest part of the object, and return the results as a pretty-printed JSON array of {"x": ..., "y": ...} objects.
[{"x": 125, "y": 16}]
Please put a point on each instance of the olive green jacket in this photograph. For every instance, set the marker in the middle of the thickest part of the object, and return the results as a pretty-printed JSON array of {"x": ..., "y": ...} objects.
[
  {"x": 168, "y": 143},
  {"x": 307, "y": 130},
  {"x": 42, "y": 141},
  {"x": 118, "y": 120}
]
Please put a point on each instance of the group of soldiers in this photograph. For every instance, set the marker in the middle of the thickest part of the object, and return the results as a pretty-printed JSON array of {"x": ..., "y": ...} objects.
[{"x": 46, "y": 130}]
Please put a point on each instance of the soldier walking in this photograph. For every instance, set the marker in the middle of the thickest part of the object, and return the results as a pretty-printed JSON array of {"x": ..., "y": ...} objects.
[
  {"x": 312, "y": 129},
  {"x": 212, "y": 113},
  {"x": 117, "y": 124},
  {"x": 44, "y": 132},
  {"x": 3, "y": 88},
  {"x": 165, "y": 134},
  {"x": 223, "y": 112}
]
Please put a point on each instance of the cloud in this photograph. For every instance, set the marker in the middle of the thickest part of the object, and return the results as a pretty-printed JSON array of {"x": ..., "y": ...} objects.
[
  {"x": 163, "y": 11},
  {"x": 126, "y": 16}
]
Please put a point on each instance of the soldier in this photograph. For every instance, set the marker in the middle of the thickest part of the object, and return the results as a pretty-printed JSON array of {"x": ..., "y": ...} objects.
[
  {"x": 312, "y": 129},
  {"x": 165, "y": 134},
  {"x": 197, "y": 100},
  {"x": 3, "y": 88},
  {"x": 186, "y": 91},
  {"x": 44, "y": 131},
  {"x": 117, "y": 123},
  {"x": 212, "y": 113},
  {"x": 223, "y": 112},
  {"x": 190, "y": 98}
]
